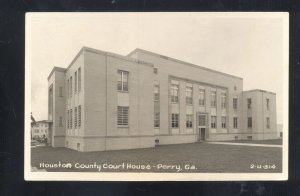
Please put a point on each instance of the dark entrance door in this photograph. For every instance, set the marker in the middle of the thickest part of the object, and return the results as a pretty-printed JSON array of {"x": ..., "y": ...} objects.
[
  {"x": 201, "y": 127},
  {"x": 202, "y": 134}
]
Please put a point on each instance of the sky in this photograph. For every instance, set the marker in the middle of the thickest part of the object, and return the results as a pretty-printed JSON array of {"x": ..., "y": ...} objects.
[{"x": 249, "y": 45}]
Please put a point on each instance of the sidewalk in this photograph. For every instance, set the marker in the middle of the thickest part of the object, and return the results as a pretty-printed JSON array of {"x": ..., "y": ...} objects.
[{"x": 246, "y": 144}]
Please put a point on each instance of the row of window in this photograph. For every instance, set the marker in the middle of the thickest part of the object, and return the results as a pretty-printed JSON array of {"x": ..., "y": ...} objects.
[
  {"x": 249, "y": 122},
  {"x": 189, "y": 121},
  {"x": 77, "y": 83},
  {"x": 42, "y": 124},
  {"x": 189, "y": 96},
  {"x": 38, "y": 131},
  {"x": 76, "y": 116},
  {"x": 123, "y": 113},
  {"x": 122, "y": 85},
  {"x": 249, "y": 103}
]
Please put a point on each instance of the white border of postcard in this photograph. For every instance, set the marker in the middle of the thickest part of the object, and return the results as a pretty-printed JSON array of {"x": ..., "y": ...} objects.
[{"x": 108, "y": 176}]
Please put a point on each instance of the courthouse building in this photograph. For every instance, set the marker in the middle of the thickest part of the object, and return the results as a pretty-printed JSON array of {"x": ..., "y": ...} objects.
[{"x": 106, "y": 101}]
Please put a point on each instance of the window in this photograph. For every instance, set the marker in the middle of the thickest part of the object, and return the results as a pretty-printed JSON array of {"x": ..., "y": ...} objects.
[
  {"x": 201, "y": 120},
  {"x": 75, "y": 118},
  {"x": 189, "y": 121},
  {"x": 71, "y": 86},
  {"x": 155, "y": 70},
  {"x": 235, "y": 103},
  {"x": 235, "y": 122},
  {"x": 268, "y": 104},
  {"x": 268, "y": 122},
  {"x": 223, "y": 100},
  {"x": 175, "y": 120},
  {"x": 249, "y": 103},
  {"x": 71, "y": 118},
  {"x": 79, "y": 79},
  {"x": 68, "y": 121},
  {"x": 174, "y": 93},
  {"x": 79, "y": 116},
  {"x": 68, "y": 87},
  {"x": 156, "y": 92},
  {"x": 78, "y": 146},
  {"x": 75, "y": 81},
  {"x": 189, "y": 94},
  {"x": 223, "y": 122},
  {"x": 60, "y": 92},
  {"x": 201, "y": 97},
  {"x": 249, "y": 123},
  {"x": 156, "y": 120},
  {"x": 122, "y": 80},
  {"x": 122, "y": 116},
  {"x": 213, "y": 98},
  {"x": 213, "y": 122},
  {"x": 60, "y": 124}
]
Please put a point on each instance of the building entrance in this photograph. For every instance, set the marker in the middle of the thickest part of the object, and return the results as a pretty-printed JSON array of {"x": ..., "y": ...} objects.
[{"x": 201, "y": 125}]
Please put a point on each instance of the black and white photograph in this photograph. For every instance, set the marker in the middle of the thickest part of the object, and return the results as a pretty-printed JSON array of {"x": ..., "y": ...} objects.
[{"x": 178, "y": 96}]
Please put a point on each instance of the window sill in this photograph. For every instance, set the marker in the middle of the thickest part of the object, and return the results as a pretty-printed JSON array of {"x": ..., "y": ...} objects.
[
  {"x": 119, "y": 91},
  {"x": 174, "y": 102},
  {"x": 156, "y": 127},
  {"x": 119, "y": 126}
]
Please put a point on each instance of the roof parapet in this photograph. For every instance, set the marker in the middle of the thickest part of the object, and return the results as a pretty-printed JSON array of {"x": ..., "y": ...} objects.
[
  {"x": 60, "y": 69},
  {"x": 259, "y": 90},
  {"x": 180, "y": 61}
]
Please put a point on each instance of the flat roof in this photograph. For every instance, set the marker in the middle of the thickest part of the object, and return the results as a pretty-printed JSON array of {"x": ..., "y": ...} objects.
[
  {"x": 180, "y": 61},
  {"x": 127, "y": 58},
  {"x": 60, "y": 69},
  {"x": 259, "y": 90}
]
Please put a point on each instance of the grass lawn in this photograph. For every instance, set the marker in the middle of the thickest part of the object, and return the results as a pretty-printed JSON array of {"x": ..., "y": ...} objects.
[
  {"x": 212, "y": 158},
  {"x": 270, "y": 142}
]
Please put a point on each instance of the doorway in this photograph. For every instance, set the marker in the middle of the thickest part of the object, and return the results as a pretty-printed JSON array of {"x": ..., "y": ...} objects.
[
  {"x": 201, "y": 125},
  {"x": 202, "y": 134}
]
